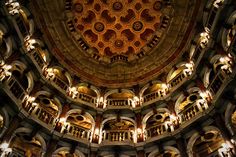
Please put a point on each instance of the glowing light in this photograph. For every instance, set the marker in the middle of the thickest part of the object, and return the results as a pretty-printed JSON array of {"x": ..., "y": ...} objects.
[
  {"x": 50, "y": 73},
  {"x": 204, "y": 39},
  {"x": 96, "y": 131},
  {"x": 139, "y": 131},
  {"x": 34, "y": 104},
  {"x": 13, "y": 7},
  {"x": 31, "y": 99},
  {"x": 217, "y": 3},
  {"x": 4, "y": 145},
  {"x": 73, "y": 92},
  {"x": 205, "y": 94},
  {"x": 30, "y": 43},
  {"x": 225, "y": 149},
  {"x": 135, "y": 101},
  {"x": 5, "y": 71},
  {"x": 62, "y": 120}
]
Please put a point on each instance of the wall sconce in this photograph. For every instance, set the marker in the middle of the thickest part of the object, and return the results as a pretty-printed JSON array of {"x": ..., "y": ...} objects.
[
  {"x": 1, "y": 36},
  {"x": 135, "y": 101},
  {"x": 189, "y": 69},
  {"x": 225, "y": 150},
  {"x": 174, "y": 121},
  {"x": 13, "y": 7},
  {"x": 96, "y": 138},
  {"x": 5, "y": 71},
  {"x": 30, "y": 43},
  {"x": 227, "y": 63},
  {"x": 73, "y": 92},
  {"x": 5, "y": 149},
  {"x": 218, "y": 3},
  {"x": 1, "y": 121},
  {"x": 204, "y": 39},
  {"x": 29, "y": 99},
  {"x": 50, "y": 73}
]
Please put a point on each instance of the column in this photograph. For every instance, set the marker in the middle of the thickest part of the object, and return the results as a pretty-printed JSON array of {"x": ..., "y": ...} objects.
[
  {"x": 93, "y": 153},
  {"x": 51, "y": 147},
  {"x": 95, "y": 137},
  {"x": 139, "y": 127},
  {"x": 140, "y": 153},
  {"x": 15, "y": 123},
  {"x": 223, "y": 129},
  {"x": 181, "y": 144},
  {"x": 65, "y": 109}
]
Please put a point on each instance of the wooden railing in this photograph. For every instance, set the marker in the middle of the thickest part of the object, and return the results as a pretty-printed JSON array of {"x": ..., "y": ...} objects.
[
  {"x": 153, "y": 96},
  {"x": 119, "y": 102},
  {"x": 192, "y": 110},
  {"x": 217, "y": 81},
  {"x": 87, "y": 98},
  {"x": 78, "y": 132},
  {"x": 157, "y": 130},
  {"x": 38, "y": 58},
  {"x": 118, "y": 135},
  {"x": 177, "y": 79},
  {"x": 16, "y": 88}
]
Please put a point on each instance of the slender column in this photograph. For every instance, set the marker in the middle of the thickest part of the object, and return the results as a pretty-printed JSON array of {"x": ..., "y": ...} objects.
[
  {"x": 223, "y": 129},
  {"x": 200, "y": 84},
  {"x": 15, "y": 123},
  {"x": 51, "y": 147},
  {"x": 93, "y": 153},
  {"x": 65, "y": 109},
  {"x": 95, "y": 137},
  {"x": 140, "y": 153},
  {"x": 221, "y": 125},
  {"x": 139, "y": 126},
  {"x": 181, "y": 144},
  {"x": 171, "y": 106}
]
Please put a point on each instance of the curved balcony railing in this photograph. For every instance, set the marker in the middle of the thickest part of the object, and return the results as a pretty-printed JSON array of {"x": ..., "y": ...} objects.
[
  {"x": 16, "y": 88},
  {"x": 87, "y": 98},
  {"x": 45, "y": 116},
  {"x": 217, "y": 81},
  {"x": 157, "y": 130},
  {"x": 39, "y": 113},
  {"x": 119, "y": 102},
  {"x": 153, "y": 96},
  {"x": 118, "y": 136},
  {"x": 38, "y": 58},
  {"x": 192, "y": 110},
  {"x": 60, "y": 83},
  {"x": 78, "y": 132},
  {"x": 178, "y": 79}
]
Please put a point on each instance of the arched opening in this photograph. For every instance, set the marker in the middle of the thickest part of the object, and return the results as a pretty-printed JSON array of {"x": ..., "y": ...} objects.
[
  {"x": 44, "y": 107},
  {"x": 65, "y": 152},
  {"x": 168, "y": 151},
  {"x": 158, "y": 123},
  {"x": 179, "y": 73},
  {"x": 59, "y": 76},
  {"x": 84, "y": 93},
  {"x": 79, "y": 124},
  {"x": 155, "y": 91},
  {"x": 207, "y": 144},
  {"x": 189, "y": 106},
  {"x": 118, "y": 98},
  {"x": 23, "y": 145},
  {"x": 118, "y": 130}
]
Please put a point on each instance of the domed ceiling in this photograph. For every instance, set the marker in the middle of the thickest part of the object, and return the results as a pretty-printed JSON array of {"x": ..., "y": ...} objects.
[{"x": 117, "y": 43}]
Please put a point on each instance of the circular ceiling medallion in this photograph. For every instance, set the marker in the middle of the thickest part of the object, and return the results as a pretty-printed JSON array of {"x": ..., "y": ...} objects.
[
  {"x": 99, "y": 26},
  {"x": 117, "y": 6}
]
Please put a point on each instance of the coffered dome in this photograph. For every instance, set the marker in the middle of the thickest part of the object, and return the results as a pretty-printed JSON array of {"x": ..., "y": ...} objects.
[
  {"x": 117, "y": 78},
  {"x": 118, "y": 43}
]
